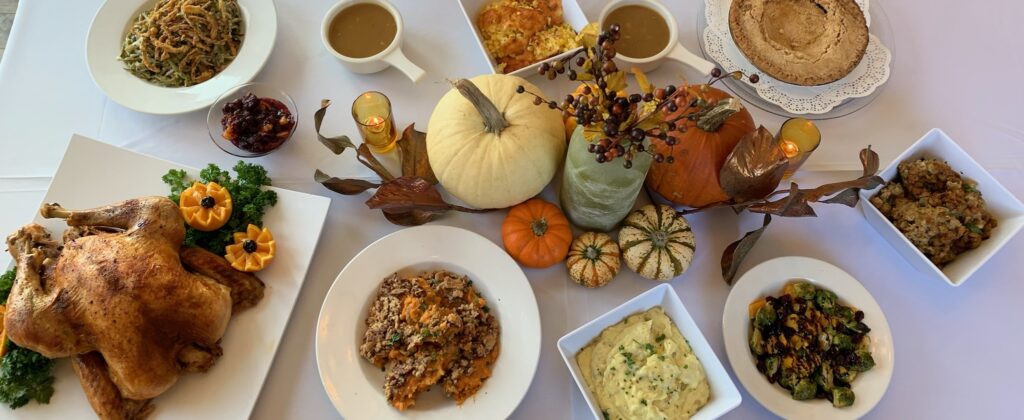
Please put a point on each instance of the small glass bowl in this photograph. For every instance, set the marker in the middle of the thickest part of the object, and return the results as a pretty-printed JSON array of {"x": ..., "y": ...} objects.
[{"x": 216, "y": 112}]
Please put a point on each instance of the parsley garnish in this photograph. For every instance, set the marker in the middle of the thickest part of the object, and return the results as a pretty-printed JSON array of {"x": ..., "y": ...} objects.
[
  {"x": 660, "y": 338},
  {"x": 24, "y": 374},
  {"x": 395, "y": 338},
  {"x": 250, "y": 201},
  {"x": 649, "y": 348},
  {"x": 630, "y": 363}
]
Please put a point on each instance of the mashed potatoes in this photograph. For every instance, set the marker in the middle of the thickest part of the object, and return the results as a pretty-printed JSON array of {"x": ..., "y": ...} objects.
[{"x": 643, "y": 368}]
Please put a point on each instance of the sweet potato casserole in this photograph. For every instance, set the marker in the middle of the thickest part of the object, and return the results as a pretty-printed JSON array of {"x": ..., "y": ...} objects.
[{"x": 429, "y": 329}]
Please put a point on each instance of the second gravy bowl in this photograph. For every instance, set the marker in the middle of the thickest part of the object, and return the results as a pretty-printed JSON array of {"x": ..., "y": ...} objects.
[
  {"x": 674, "y": 50},
  {"x": 391, "y": 55}
]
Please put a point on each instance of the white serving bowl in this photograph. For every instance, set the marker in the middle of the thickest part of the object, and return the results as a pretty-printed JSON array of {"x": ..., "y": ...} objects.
[
  {"x": 1006, "y": 208},
  {"x": 768, "y": 279},
  {"x": 571, "y": 13},
  {"x": 724, "y": 395}
]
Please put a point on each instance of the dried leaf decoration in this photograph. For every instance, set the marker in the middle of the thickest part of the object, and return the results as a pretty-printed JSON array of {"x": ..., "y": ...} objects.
[
  {"x": 343, "y": 186},
  {"x": 337, "y": 144},
  {"x": 413, "y": 148},
  {"x": 737, "y": 251},
  {"x": 791, "y": 202},
  {"x": 754, "y": 168},
  {"x": 408, "y": 200}
]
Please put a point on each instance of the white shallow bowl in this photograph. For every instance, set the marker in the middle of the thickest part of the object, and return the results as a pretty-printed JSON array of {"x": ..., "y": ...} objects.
[
  {"x": 724, "y": 395},
  {"x": 103, "y": 46},
  {"x": 356, "y": 387},
  {"x": 768, "y": 279},
  {"x": 1006, "y": 208},
  {"x": 571, "y": 13}
]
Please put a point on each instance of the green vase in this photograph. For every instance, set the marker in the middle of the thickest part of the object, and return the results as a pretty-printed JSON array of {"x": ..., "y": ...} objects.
[{"x": 597, "y": 196}]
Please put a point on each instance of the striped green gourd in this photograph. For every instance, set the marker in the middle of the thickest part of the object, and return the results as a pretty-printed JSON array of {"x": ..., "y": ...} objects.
[{"x": 657, "y": 242}]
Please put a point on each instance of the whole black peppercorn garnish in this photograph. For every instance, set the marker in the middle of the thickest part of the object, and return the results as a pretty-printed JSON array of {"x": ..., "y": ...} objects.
[
  {"x": 249, "y": 246},
  {"x": 207, "y": 202}
]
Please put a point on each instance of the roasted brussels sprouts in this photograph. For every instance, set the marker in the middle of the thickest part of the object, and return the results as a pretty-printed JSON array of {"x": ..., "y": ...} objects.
[
  {"x": 864, "y": 361},
  {"x": 842, "y": 342},
  {"x": 757, "y": 342},
  {"x": 805, "y": 390},
  {"x": 810, "y": 344},
  {"x": 771, "y": 365},
  {"x": 765, "y": 316},
  {"x": 845, "y": 375},
  {"x": 842, "y": 397},
  {"x": 804, "y": 290},
  {"x": 825, "y": 377},
  {"x": 825, "y": 300}
]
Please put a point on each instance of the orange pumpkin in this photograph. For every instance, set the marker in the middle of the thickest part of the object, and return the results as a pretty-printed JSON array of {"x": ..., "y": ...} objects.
[
  {"x": 692, "y": 179},
  {"x": 536, "y": 233}
]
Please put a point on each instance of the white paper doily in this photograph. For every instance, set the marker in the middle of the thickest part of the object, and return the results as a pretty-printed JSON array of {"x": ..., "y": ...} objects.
[{"x": 872, "y": 72}]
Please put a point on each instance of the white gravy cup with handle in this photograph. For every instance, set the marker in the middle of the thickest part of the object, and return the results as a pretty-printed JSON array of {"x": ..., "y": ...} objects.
[
  {"x": 391, "y": 56},
  {"x": 674, "y": 50}
]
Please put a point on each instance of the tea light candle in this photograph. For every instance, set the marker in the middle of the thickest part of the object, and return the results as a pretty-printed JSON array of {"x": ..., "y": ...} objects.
[
  {"x": 798, "y": 138},
  {"x": 372, "y": 113}
]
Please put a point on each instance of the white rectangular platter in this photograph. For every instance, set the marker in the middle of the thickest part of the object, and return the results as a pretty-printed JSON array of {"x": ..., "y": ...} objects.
[{"x": 92, "y": 174}]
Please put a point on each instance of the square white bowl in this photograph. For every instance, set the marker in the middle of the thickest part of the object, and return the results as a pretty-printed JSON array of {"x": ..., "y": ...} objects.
[
  {"x": 724, "y": 395},
  {"x": 571, "y": 13},
  {"x": 1006, "y": 208}
]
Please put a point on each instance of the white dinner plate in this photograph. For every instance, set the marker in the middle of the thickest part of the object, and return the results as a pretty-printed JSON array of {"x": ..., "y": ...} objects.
[
  {"x": 94, "y": 174},
  {"x": 355, "y": 386},
  {"x": 767, "y": 279},
  {"x": 103, "y": 46}
]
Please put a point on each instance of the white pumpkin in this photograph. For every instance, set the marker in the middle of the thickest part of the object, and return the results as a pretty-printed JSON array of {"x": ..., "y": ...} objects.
[{"x": 492, "y": 147}]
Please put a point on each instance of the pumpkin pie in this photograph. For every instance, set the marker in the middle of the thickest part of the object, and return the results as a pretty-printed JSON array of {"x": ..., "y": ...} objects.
[{"x": 803, "y": 42}]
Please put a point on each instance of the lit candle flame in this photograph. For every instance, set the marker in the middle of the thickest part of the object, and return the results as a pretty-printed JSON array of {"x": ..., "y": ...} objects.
[
  {"x": 789, "y": 148},
  {"x": 375, "y": 124}
]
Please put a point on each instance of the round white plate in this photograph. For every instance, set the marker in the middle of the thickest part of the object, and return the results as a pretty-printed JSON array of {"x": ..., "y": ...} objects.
[
  {"x": 768, "y": 278},
  {"x": 103, "y": 45},
  {"x": 814, "y": 102},
  {"x": 355, "y": 386}
]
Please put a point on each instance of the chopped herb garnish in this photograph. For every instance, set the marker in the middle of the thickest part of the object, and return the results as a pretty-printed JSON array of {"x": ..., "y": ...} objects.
[
  {"x": 423, "y": 306},
  {"x": 643, "y": 401},
  {"x": 605, "y": 414},
  {"x": 486, "y": 309},
  {"x": 660, "y": 338},
  {"x": 395, "y": 338},
  {"x": 974, "y": 228},
  {"x": 630, "y": 363},
  {"x": 649, "y": 348}
]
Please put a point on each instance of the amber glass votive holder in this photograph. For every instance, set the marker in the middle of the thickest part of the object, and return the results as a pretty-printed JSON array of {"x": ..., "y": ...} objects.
[
  {"x": 372, "y": 113},
  {"x": 798, "y": 138}
]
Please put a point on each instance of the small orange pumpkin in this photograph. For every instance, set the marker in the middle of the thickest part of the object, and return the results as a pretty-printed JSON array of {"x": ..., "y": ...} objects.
[
  {"x": 536, "y": 233},
  {"x": 692, "y": 179}
]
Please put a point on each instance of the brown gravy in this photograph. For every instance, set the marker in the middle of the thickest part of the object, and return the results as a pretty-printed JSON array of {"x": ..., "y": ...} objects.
[
  {"x": 642, "y": 31},
  {"x": 362, "y": 30}
]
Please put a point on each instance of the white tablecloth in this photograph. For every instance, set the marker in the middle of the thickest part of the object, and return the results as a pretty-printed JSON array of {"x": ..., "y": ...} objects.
[{"x": 957, "y": 67}]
